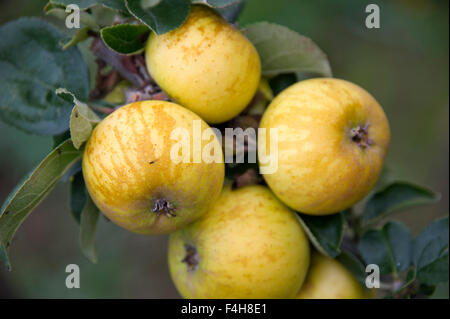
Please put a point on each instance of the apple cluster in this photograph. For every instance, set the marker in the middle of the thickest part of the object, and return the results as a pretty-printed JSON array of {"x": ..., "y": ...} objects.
[{"x": 247, "y": 242}]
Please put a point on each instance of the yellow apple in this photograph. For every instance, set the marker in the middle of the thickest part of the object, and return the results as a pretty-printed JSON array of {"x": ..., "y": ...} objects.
[
  {"x": 205, "y": 65},
  {"x": 131, "y": 174},
  {"x": 329, "y": 279},
  {"x": 248, "y": 245},
  {"x": 332, "y": 141}
]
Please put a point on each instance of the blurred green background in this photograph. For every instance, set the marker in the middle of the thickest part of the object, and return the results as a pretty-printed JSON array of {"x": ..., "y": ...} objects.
[{"x": 404, "y": 64}]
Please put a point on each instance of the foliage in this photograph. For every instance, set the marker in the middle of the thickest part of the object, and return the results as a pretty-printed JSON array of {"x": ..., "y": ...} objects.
[
  {"x": 285, "y": 51},
  {"x": 33, "y": 189},
  {"x": 31, "y": 71}
]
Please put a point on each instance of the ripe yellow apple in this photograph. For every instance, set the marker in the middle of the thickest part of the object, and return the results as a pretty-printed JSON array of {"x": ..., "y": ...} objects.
[
  {"x": 205, "y": 65},
  {"x": 248, "y": 245},
  {"x": 329, "y": 279},
  {"x": 132, "y": 177},
  {"x": 332, "y": 141}
]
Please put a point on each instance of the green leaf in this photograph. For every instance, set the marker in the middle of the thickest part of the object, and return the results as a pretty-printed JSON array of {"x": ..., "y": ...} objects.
[
  {"x": 396, "y": 196},
  {"x": 82, "y": 119},
  {"x": 217, "y": 3},
  {"x": 163, "y": 17},
  {"x": 125, "y": 38},
  {"x": 88, "y": 226},
  {"x": 51, "y": 6},
  {"x": 82, "y": 122},
  {"x": 118, "y": 5},
  {"x": 78, "y": 196},
  {"x": 83, "y": 4},
  {"x": 231, "y": 12},
  {"x": 354, "y": 265},
  {"x": 281, "y": 82},
  {"x": 4, "y": 256},
  {"x": 325, "y": 232},
  {"x": 431, "y": 253},
  {"x": 31, "y": 71},
  {"x": 34, "y": 188},
  {"x": 284, "y": 51},
  {"x": 90, "y": 59},
  {"x": 390, "y": 248},
  {"x": 81, "y": 35}
]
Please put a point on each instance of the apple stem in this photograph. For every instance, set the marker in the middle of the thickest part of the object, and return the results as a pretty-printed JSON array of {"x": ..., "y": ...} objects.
[
  {"x": 191, "y": 259},
  {"x": 360, "y": 135},
  {"x": 163, "y": 206}
]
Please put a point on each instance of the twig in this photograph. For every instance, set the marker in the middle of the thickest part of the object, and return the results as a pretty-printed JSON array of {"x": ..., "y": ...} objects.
[{"x": 118, "y": 62}]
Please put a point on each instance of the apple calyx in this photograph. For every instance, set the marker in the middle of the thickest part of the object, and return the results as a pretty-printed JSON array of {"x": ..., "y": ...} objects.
[
  {"x": 191, "y": 258},
  {"x": 360, "y": 135},
  {"x": 163, "y": 206}
]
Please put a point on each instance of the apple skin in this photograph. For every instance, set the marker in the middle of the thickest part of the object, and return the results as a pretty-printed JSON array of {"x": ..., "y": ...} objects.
[
  {"x": 248, "y": 245},
  {"x": 205, "y": 65},
  {"x": 333, "y": 137},
  {"x": 329, "y": 279},
  {"x": 127, "y": 169}
]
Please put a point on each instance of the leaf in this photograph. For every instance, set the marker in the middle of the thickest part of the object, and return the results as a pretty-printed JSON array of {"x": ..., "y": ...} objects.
[
  {"x": 217, "y": 3},
  {"x": 34, "y": 188},
  {"x": 117, "y": 95},
  {"x": 78, "y": 196},
  {"x": 82, "y": 119},
  {"x": 353, "y": 264},
  {"x": 30, "y": 72},
  {"x": 284, "y": 51},
  {"x": 325, "y": 232},
  {"x": 51, "y": 6},
  {"x": 396, "y": 196},
  {"x": 125, "y": 38},
  {"x": 82, "y": 122},
  {"x": 390, "y": 248},
  {"x": 281, "y": 82},
  {"x": 117, "y": 5},
  {"x": 4, "y": 257},
  {"x": 88, "y": 226},
  {"x": 81, "y": 35},
  {"x": 231, "y": 12},
  {"x": 83, "y": 4},
  {"x": 431, "y": 253},
  {"x": 163, "y": 17}
]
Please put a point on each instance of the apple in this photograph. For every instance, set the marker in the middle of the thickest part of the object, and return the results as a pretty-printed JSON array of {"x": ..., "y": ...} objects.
[
  {"x": 333, "y": 137},
  {"x": 329, "y": 279},
  {"x": 132, "y": 177},
  {"x": 248, "y": 245},
  {"x": 206, "y": 65}
]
